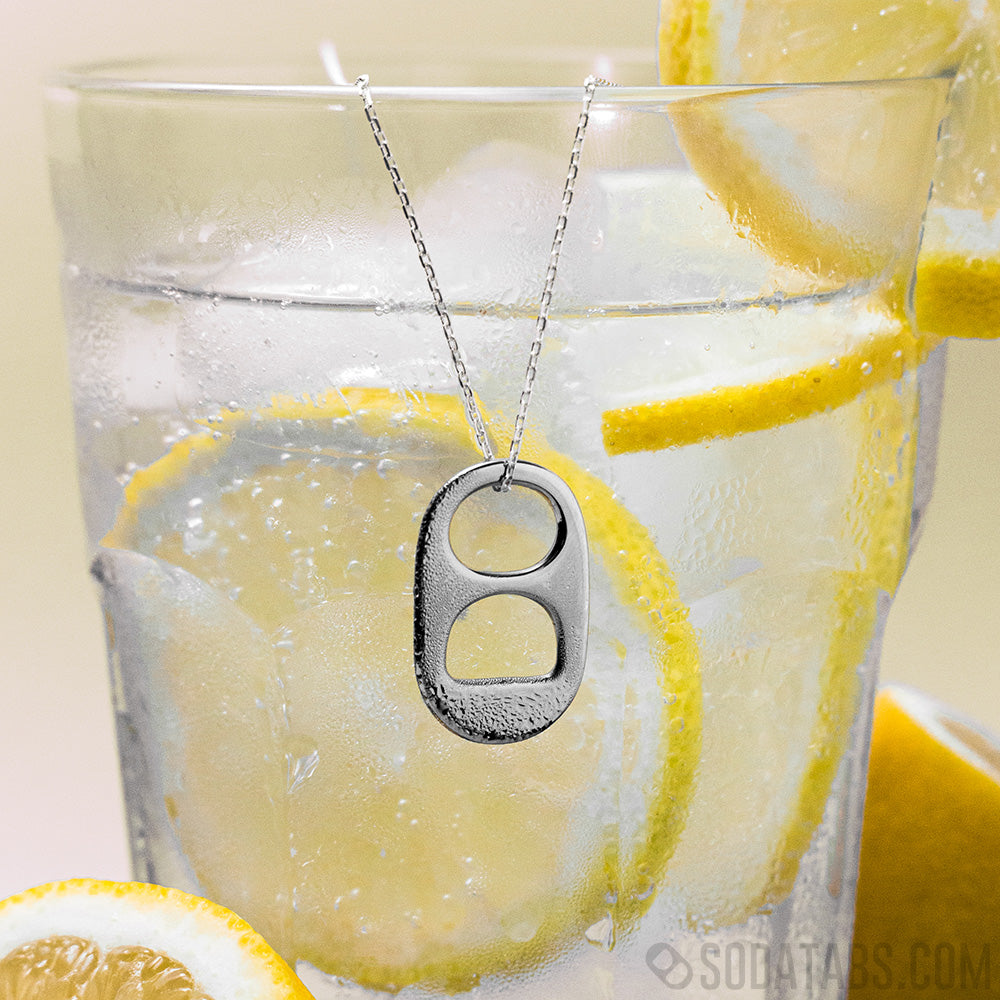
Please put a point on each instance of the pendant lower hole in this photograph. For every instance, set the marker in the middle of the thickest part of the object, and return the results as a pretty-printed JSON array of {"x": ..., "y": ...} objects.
[{"x": 504, "y": 635}]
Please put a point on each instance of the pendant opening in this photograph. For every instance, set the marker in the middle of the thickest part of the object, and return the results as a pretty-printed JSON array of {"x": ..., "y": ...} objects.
[
  {"x": 503, "y": 635},
  {"x": 522, "y": 530}
]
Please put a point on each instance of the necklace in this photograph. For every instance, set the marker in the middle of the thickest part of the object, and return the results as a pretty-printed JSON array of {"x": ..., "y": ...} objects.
[{"x": 501, "y": 709}]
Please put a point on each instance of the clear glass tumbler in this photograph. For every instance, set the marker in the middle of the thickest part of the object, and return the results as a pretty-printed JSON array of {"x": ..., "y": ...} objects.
[{"x": 731, "y": 386}]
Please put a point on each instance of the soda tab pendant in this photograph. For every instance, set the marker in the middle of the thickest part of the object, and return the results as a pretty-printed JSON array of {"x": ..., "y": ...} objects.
[{"x": 500, "y": 709}]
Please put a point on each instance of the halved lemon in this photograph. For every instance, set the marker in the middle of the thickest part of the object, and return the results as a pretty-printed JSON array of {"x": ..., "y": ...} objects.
[
  {"x": 258, "y": 588},
  {"x": 927, "y": 905},
  {"x": 771, "y": 41},
  {"x": 90, "y": 939}
]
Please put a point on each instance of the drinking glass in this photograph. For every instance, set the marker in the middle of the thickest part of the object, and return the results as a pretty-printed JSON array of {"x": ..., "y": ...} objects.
[{"x": 730, "y": 385}]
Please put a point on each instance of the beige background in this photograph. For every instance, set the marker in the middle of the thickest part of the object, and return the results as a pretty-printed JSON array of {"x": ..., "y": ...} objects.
[{"x": 59, "y": 801}]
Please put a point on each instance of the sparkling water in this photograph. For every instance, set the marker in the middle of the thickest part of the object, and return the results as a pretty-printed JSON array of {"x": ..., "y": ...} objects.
[{"x": 687, "y": 827}]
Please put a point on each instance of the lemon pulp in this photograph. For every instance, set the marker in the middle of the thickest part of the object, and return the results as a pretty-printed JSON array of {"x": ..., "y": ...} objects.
[{"x": 929, "y": 844}]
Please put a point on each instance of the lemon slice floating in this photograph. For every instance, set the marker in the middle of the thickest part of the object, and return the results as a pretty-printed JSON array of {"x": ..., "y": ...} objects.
[
  {"x": 260, "y": 572},
  {"x": 770, "y": 41},
  {"x": 775, "y": 780},
  {"x": 779, "y": 392},
  {"x": 84, "y": 938}
]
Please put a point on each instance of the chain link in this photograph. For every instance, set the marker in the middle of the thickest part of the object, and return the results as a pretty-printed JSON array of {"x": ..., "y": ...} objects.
[
  {"x": 472, "y": 410},
  {"x": 589, "y": 86}
]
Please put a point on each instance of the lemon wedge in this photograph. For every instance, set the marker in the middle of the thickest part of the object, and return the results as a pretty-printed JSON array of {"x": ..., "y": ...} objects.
[
  {"x": 85, "y": 938},
  {"x": 927, "y": 906},
  {"x": 258, "y": 586}
]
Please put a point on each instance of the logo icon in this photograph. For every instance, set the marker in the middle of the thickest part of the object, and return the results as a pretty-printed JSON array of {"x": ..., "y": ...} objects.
[{"x": 669, "y": 966}]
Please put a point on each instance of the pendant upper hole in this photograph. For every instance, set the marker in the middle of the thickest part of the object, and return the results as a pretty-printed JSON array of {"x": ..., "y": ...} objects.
[
  {"x": 503, "y": 635},
  {"x": 493, "y": 532}
]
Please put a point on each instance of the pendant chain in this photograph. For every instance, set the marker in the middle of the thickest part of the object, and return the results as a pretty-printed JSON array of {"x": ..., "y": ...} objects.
[{"x": 472, "y": 410}]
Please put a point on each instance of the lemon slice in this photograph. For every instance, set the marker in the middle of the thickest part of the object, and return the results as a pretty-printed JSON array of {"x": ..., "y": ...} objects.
[
  {"x": 926, "y": 911},
  {"x": 779, "y": 394},
  {"x": 770, "y": 41},
  {"x": 784, "y": 640},
  {"x": 260, "y": 574},
  {"x": 84, "y": 938},
  {"x": 818, "y": 200}
]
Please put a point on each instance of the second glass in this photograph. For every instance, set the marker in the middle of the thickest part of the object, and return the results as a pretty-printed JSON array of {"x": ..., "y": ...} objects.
[{"x": 730, "y": 385}]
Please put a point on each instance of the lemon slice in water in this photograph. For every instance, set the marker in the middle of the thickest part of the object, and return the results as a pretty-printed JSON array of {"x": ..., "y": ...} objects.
[
  {"x": 783, "y": 638},
  {"x": 770, "y": 41},
  {"x": 260, "y": 573}
]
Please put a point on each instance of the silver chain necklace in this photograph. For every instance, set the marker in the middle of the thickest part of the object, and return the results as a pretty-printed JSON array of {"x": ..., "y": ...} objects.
[{"x": 501, "y": 709}]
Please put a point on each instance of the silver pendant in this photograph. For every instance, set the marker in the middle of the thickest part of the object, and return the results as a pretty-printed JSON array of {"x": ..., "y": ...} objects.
[{"x": 500, "y": 709}]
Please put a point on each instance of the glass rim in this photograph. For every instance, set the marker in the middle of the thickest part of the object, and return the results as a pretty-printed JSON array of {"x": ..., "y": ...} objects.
[{"x": 157, "y": 77}]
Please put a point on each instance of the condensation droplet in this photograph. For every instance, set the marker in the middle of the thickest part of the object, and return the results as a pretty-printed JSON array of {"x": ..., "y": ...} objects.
[
  {"x": 301, "y": 768},
  {"x": 601, "y": 934}
]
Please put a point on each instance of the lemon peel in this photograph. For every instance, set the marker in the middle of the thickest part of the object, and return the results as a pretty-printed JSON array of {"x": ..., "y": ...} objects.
[
  {"x": 729, "y": 410},
  {"x": 959, "y": 294}
]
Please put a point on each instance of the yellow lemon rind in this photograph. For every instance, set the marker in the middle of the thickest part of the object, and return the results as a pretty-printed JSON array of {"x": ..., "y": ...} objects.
[
  {"x": 958, "y": 296},
  {"x": 728, "y": 411},
  {"x": 929, "y": 846}
]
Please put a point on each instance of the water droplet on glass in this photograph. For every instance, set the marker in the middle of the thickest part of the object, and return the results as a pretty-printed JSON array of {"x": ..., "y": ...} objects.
[
  {"x": 602, "y": 933},
  {"x": 301, "y": 768}
]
